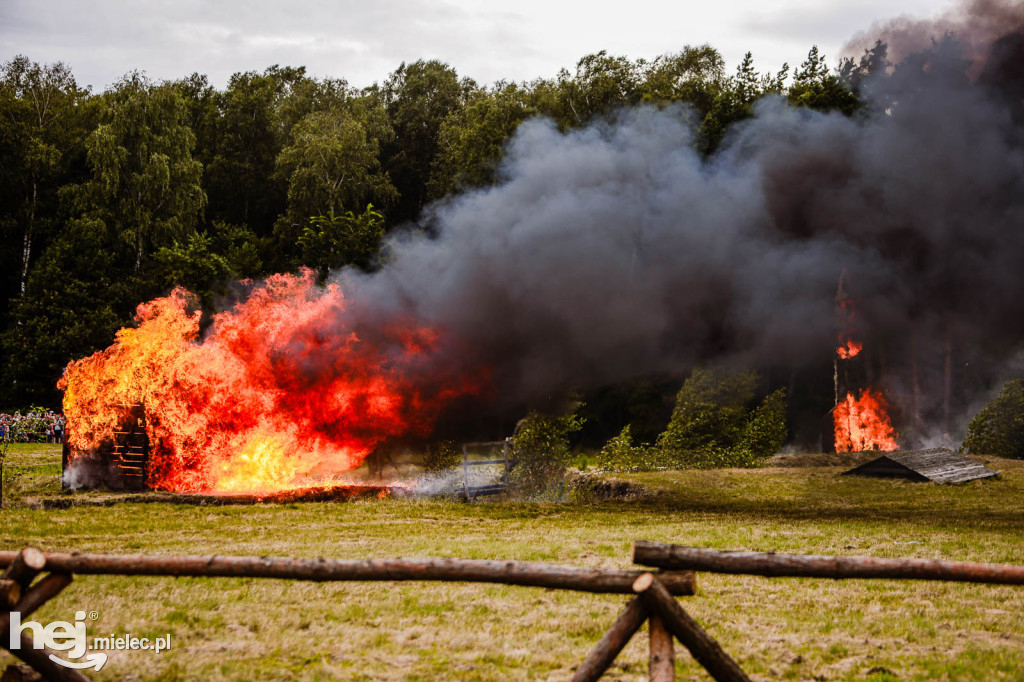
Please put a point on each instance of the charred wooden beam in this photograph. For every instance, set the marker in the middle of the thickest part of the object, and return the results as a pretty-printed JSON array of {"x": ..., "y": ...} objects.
[
  {"x": 704, "y": 648},
  {"x": 677, "y": 557},
  {"x": 613, "y": 642},
  {"x": 524, "y": 573}
]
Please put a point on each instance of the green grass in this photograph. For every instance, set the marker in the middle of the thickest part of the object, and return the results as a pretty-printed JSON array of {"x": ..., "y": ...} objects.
[
  {"x": 792, "y": 629},
  {"x": 30, "y": 469}
]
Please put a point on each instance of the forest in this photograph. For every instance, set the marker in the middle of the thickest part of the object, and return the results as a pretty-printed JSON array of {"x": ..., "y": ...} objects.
[{"x": 109, "y": 199}]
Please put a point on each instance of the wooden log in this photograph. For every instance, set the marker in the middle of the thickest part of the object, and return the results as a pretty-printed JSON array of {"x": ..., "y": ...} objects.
[
  {"x": 39, "y": 659},
  {"x": 703, "y": 647},
  {"x": 24, "y": 566},
  {"x": 662, "y": 665},
  {"x": 530, "y": 574},
  {"x": 10, "y": 593},
  {"x": 677, "y": 557},
  {"x": 45, "y": 590},
  {"x": 19, "y": 672},
  {"x": 613, "y": 641}
]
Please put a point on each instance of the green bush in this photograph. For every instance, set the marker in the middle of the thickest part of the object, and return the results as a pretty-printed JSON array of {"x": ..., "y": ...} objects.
[
  {"x": 766, "y": 429},
  {"x": 712, "y": 426},
  {"x": 441, "y": 457},
  {"x": 542, "y": 452},
  {"x": 998, "y": 429},
  {"x": 620, "y": 454}
]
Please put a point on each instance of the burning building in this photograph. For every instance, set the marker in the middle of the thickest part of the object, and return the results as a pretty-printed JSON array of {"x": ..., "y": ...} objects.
[{"x": 270, "y": 399}]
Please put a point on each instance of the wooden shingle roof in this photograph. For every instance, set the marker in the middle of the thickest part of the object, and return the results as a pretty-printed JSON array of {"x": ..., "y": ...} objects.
[{"x": 939, "y": 465}]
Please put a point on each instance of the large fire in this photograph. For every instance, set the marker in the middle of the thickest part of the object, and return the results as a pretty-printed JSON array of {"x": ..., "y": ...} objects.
[
  {"x": 281, "y": 392},
  {"x": 863, "y": 423}
]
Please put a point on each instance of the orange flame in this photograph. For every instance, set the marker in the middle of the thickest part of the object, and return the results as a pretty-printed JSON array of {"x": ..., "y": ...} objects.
[
  {"x": 850, "y": 349},
  {"x": 847, "y": 312},
  {"x": 863, "y": 423},
  {"x": 281, "y": 392}
]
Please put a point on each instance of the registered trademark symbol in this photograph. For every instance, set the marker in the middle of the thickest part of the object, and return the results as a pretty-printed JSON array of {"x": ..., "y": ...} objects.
[{"x": 93, "y": 615}]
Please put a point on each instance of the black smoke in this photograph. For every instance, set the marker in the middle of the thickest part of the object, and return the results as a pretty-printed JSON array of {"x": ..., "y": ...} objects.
[{"x": 618, "y": 251}]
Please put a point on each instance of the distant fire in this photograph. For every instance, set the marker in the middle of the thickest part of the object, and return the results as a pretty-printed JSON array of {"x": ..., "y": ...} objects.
[
  {"x": 863, "y": 423},
  {"x": 278, "y": 395},
  {"x": 847, "y": 313},
  {"x": 860, "y": 423},
  {"x": 850, "y": 349}
]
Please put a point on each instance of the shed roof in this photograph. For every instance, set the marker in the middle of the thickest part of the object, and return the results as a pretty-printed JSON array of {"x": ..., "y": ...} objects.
[{"x": 939, "y": 465}]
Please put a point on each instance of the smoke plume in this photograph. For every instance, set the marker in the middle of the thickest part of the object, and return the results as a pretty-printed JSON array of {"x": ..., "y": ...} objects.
[
  {"x": 975, "y": 24},
  {"x": 617, "y": 250}
]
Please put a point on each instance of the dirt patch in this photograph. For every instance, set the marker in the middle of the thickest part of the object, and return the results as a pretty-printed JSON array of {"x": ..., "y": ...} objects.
[{"x": 610, "y": 489}]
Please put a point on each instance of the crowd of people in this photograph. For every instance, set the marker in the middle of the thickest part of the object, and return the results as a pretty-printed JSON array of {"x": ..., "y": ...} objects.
[{"x": 34, "y": 426}]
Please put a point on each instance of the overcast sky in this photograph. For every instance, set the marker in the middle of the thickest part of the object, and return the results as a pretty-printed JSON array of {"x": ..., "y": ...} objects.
[{"x": 362, "y": 41}]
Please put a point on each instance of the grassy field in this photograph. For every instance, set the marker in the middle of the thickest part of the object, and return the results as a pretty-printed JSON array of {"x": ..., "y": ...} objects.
[{"x": 792, "y": 629}]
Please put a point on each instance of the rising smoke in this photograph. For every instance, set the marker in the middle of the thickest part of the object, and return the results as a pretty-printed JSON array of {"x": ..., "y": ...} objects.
[{"x": 617, "y": 250}]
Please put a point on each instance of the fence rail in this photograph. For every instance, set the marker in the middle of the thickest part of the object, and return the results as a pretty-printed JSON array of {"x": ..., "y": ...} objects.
[
  {"x": 769, "y": 564},
  {"x": 653, "y": 600},
  {"x": 470, "y": 492},
  {"x": 524, "y": 573}
]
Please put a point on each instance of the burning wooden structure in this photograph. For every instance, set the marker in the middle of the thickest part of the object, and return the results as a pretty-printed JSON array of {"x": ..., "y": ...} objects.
[{"x": 120, "y": 462}]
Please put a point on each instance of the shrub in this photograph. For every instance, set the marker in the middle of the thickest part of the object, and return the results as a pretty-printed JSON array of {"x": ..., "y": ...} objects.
[
  {"x": 766, "y": 429},
  {"x": 711, "y": 424},
  {"x": 620, "y": 454},
  {"x": 441, "y": 457},
  {"x": 542, "y": 453},
  {"x": 998, "y": 429}
]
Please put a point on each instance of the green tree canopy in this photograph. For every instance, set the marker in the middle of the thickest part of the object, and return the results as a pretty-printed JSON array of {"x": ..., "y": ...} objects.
[
  {"x": 241, "y": 180},
  {"x": 331, "y": 241},
  {"x": 472, "y": 139},
  {"x": 42, "y": 132},
  {"x": 998, "y": 429},
  {"x": 333, "y": 163},
  {"x": 144, "y": 183},
  {"x": 815, "y": 87},
  {"x": 418, "y": 98}
]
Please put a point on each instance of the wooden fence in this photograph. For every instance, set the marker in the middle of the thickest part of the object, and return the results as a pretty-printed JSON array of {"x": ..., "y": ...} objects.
[
  {"x": 653, "y": 599},
  {"x": 470, "y": 491}
]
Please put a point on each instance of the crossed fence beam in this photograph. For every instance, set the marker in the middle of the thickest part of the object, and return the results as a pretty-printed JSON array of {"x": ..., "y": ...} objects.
[{"x": 653, "y": 598}]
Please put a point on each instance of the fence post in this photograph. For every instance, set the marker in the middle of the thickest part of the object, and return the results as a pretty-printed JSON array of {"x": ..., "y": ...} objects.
[
  {"x": 504, "y": 454},
  {"x": 465, "y": 472},
  {"x": 662, "y": 665}
]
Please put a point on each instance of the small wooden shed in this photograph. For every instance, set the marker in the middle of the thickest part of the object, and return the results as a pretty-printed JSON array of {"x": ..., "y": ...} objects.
[{"x": 938, "y": 465}]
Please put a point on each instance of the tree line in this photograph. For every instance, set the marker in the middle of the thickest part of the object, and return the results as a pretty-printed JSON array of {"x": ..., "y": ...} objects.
[{"x": 108, "y": 199}]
